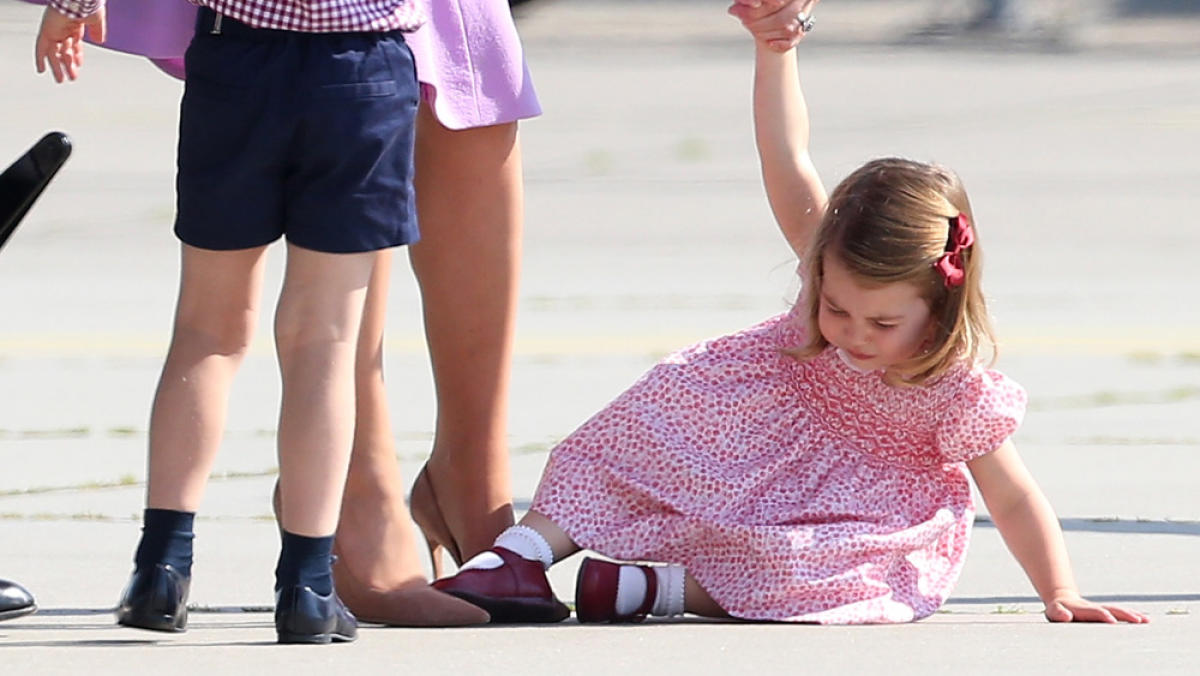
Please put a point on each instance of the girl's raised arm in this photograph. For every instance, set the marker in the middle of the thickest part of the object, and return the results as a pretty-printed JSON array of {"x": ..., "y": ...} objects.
[{"x": 794, "y": 190}]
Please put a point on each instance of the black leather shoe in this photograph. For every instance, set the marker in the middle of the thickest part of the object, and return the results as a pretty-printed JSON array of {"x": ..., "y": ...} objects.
[
  {"x": 155, "y": 599},
  {"x": 304, "y": 616},
  {"x": 15, "y": 600}
]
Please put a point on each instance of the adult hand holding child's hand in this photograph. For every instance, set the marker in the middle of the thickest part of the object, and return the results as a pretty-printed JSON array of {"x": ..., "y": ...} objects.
[
  {"x": 779, "y": 24},
  {"x": 60, "y": 41}
]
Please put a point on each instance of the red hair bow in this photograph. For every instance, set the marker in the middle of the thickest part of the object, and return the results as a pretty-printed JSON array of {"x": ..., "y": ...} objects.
[{"x": 961, "y": 239}]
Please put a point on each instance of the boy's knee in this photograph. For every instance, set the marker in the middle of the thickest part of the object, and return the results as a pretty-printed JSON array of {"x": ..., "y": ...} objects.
[
  {"x": 229, "y": 337},
  {"x": 297, "y": 334}
]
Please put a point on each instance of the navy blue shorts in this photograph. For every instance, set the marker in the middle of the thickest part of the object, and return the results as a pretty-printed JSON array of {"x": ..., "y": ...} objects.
[{"x": 308, "y": 136}]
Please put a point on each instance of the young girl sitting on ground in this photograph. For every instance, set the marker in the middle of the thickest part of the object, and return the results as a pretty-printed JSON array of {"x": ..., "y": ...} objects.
[{"x": 811, "y": 468}]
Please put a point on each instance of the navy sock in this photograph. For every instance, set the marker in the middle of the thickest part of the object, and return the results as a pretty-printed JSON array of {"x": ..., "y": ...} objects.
[
  {"x": 306, "y": 562},
  {"x": 166, "y": 538}
]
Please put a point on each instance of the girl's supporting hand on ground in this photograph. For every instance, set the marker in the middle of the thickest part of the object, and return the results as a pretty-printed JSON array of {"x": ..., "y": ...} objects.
[
  {"x": 776, "y": 23},
  {"x": 1071, "y": 607},
  {"x": 1032, "y": 532},
  {"x": 60, "y": 42}
]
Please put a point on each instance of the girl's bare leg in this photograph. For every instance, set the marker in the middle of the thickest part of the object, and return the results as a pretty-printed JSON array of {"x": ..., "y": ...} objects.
[
  {"x": 697, "y": 601},
  {"x": 560, "y": 543}
]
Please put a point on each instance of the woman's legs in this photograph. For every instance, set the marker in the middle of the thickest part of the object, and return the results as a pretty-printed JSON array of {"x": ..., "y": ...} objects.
[
  {"x": 470, "y": 201},
  {"x": 378, "y": 574}
]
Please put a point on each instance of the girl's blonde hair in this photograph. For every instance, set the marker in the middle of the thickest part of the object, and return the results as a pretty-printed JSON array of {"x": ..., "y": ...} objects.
[{"x": 891, "y": 221}]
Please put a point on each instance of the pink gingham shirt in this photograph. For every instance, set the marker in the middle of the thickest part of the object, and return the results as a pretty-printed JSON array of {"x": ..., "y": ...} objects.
[{"x": 304, "y": 16}]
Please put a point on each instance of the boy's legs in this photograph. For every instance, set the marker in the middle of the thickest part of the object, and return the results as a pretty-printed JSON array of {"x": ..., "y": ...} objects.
[
  {"x": 316, "y": 337},
  {"x": 348, "y": 198},
  {"x": 316, "y": 334},
  {"x": 308, "y": 136},
  {"x": 215, "y": 317}
]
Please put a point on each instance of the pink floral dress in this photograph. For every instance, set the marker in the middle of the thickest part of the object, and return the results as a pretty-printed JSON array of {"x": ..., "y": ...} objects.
[{"x": 803, "y": 491}]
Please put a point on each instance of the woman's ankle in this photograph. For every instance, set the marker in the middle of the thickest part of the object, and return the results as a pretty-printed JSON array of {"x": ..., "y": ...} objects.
[{"x": 475, "y": 503}]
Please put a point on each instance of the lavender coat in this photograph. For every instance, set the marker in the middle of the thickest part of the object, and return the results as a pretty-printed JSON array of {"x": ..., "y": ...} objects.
[{"x": 469, "y": 58}]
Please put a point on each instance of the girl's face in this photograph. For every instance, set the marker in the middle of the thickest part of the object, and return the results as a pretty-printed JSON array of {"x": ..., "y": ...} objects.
[{"x": 875, "y": 326}]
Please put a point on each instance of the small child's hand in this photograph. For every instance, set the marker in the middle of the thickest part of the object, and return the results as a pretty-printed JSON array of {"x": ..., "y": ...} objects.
[
  {"x": 60, "y": 42},
  {"x": 776, "y": 23},
  {"x": 1074, "y": 608}
]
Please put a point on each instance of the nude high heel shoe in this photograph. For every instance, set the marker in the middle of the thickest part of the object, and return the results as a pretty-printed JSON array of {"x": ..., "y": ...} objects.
[
  {"x": 411, "y": 604},
  {"x": 423, "y": 504}
]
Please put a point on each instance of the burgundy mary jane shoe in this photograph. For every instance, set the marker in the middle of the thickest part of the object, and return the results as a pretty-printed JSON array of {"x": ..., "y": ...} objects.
[
  {"x": 515, "y": 593},
  {"x": 596, "y": 592}
]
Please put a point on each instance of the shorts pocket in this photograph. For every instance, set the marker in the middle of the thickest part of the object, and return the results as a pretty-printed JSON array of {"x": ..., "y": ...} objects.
[{"x": 355, "y": 90}]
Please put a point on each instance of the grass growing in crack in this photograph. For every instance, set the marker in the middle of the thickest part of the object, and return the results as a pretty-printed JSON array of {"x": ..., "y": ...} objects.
[
  {"x": 50, "y": 516},
  {"x": 1187, "y": 358},
  {"x": 1109, "y": 440},
  {"x": 598, "y": 162},
  {"x": 692, "y": 149},
  {"x": 534, "y": 447},
  {"x": 125, "y": 481},
  {"x": 107, "y": 518},
  {"x": 61, "y": 433}
]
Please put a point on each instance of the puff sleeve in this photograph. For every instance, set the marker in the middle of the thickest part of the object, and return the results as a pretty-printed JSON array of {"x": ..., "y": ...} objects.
[{"x": 979, "y": 415}]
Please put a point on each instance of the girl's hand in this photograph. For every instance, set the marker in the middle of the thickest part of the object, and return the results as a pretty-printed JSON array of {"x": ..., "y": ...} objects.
[
  {"x": 776, "y": 23},
  {"x": 1074, "y": 608},
  {"x": 60, "y": 42}
]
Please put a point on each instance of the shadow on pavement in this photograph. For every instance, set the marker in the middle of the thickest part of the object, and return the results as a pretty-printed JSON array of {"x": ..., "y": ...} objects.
[
  {"x": 1157, "y": 7},
  {"x": 1099, "y": 598},
  {"x": 1132, "y": 526}
]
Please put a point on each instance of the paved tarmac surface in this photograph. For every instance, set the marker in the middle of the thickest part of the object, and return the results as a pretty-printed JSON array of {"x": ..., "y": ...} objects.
[{"x": 647, "y": 230}]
